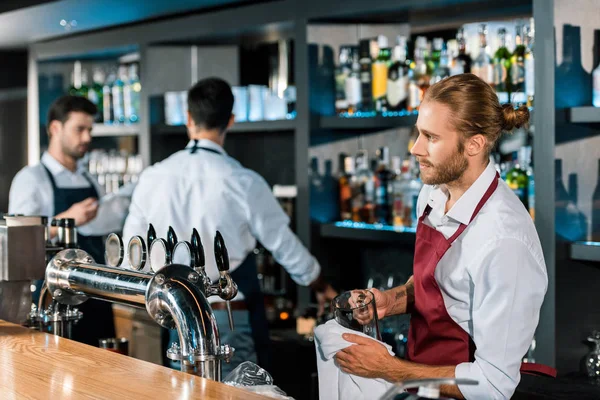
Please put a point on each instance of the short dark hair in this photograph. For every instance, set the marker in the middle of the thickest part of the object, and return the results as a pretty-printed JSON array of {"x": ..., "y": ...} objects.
[
  {"x": 61, "y": 107},
  {"x": 210, "y": 103}
]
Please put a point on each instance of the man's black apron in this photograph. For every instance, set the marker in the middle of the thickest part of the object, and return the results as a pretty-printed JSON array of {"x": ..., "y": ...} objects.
[
  {"x": 246, "y": 278},
  {"x": 97, "y": 322}
]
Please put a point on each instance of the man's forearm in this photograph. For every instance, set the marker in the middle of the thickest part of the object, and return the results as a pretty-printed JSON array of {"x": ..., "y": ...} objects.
[
  {"x": 402, "y": 370},
  {"x": 401, "y": 298}
]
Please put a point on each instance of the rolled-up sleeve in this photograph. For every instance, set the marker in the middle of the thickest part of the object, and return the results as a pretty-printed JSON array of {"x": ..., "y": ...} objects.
[
  {"x": 270, "y": 225},
  {"x": 509, "y": 285}
]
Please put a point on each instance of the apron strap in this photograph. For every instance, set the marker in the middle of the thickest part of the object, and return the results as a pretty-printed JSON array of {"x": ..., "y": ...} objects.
[
  {"x": 195, "y": 148},
  {"x": 50, "y": 176}
]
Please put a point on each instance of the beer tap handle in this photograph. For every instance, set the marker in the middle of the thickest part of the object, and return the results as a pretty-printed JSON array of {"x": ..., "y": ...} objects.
[
  {"x": 198, "y": 251},
  {"x": 228, "y": 288},
  {"x": 171, "y": 239},
  {"x": 151, "y": 235}
]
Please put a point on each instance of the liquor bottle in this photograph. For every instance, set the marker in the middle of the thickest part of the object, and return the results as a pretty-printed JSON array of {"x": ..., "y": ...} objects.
[
  {"x": 396, "y": 192},
  {"x": 352, "y": 87},
  {"x": 434, "y": 60},
  {"x": 117, "y": 95},
  {"x": 366, "y": 182},
  {"x": 530, "y": 183},
  {"x": 342, "y": 71},
  {"x": 84, "y": 88},
  {"x": 462, "y": 63},
  {"x": 529, "y": 64},
  {"x": 107, "y": 98},
  {"x": 517, "y": 179},
  {"x": 383, "y": 176},
  {"x": 397, "y": 83},
  {"x": 482, "y": 66},
  {"x": 380, "y": 73},
  {"x": 502, "y": 66},
  {"x": 366, "y": 75},
  {"x": 131, "y": 96},
  {"x": 517, "y": 69},
  {"x": 95, "y": 94},
  {"x": 442, "y": 70},
  {"x": 345, "y": 184},
  {"x": 596, "y": 84},
  {"x": 596, "y": 210},
  {"x": 75, "y": 87},
  {"x": 418, "y": 78}
]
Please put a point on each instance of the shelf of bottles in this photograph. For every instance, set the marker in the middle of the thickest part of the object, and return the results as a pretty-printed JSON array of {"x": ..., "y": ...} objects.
[
  {"x": 379, "y": 86},
  {"x": 115, "y": 91},
  {"x": 375, "y": 79},
  {"x": 114, "y": 169}
]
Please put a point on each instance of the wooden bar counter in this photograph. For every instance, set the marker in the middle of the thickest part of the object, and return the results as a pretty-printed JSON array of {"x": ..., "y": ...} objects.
[{"x": 35, "y": 365}]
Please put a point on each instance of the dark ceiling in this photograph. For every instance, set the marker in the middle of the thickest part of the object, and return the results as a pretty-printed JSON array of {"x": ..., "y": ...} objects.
[{"x": 26, "y": 21}]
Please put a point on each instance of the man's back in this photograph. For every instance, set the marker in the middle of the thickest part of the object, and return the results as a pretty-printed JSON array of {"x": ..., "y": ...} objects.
[{"x": 206, "y": 190}]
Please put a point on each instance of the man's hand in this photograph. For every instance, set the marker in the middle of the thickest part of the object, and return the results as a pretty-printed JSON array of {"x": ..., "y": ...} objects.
[
  {"x": 82, "y": 212},
  {"x": 366, "y": 358}
]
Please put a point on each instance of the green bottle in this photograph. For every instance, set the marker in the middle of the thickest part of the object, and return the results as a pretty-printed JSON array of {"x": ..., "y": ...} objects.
[
  {"x": 517, "y": 178},
  {"x": 502, "y": 66},
  {"x": 517, "y": 71}
]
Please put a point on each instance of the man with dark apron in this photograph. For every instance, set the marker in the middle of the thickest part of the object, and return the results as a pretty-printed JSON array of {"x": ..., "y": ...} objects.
[
  {"x": 61, "y": 188},
  {"x": 202, "y": 187},
  {"x": 479, "y": 276}
]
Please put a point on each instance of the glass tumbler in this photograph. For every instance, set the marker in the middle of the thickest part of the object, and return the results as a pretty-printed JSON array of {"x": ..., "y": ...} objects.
[{"x": 356, "y": 310}]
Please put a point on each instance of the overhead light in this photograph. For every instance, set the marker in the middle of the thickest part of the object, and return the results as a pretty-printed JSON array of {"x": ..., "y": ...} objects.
[{"x": 68, "y": 25}]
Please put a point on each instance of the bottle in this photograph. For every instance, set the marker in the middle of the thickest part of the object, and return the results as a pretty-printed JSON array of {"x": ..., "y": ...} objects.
[
  {"x": 366, "y": 182},
  {"x": 342, "y": 71},
  {"x": 95, "y": 94},
  {"x": 517, "y": 69},
  {"x": 596, "y": 210},
  {"x": 380, "y": 74},
  {"x": 436, "y": 54},
  {"x": 366, "y": 75},
  {"x": 353, "y": 88},
  {"x": 596, "y": 84},
  {"x": 345, "y": 184},
  {"x": 383, "y": 177},
  {"x": 442, "y": 70},
  {"x": 529, "y": 64},
  {"x": 482, "y": 66},
  {"x": 117, "y": 95},
  {"x": 418, "y": 78},
  {"x": 516, "y": 178},
  {"x": 84, "y": 88},
  {"x": 396, "y": 192},
  {"x": 502, "y": 65},
  {"x": 107, "y": 98},
  {"x": 397, "y": 83},
  {"x": 531, "y": 183},
  {"x": 75, "y": 87},
  {"x": 131, "y": 96},
  {"x": 462, "y": 63}
]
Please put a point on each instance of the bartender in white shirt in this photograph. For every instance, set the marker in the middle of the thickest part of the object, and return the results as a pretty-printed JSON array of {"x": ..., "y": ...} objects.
[
  {"x": 202, "y": 187},
  {"x": 60, "y": 187},
  {"x": 479, "y": 276}
]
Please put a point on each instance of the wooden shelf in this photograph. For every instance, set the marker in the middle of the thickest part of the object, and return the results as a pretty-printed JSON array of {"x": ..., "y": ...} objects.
[
  {"x": 584, "y": 115},
  {"x": 585, "y": 251},
  {"x": 369, "y": 121},
  {"x": 368, "y": 232},
  {"x": 103, "y": 130},
  {"x": 238, "y": 127}
]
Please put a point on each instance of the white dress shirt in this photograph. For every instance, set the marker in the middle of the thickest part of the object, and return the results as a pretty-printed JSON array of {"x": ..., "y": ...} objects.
[
  {"x": 31, "y": 194},
  {"x": 493, "y": 280},
  {"x": 211, "y": 192}
]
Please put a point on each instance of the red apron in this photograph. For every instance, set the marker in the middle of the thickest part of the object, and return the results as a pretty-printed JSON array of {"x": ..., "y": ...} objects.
[{"x": 433, "y": 337}]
